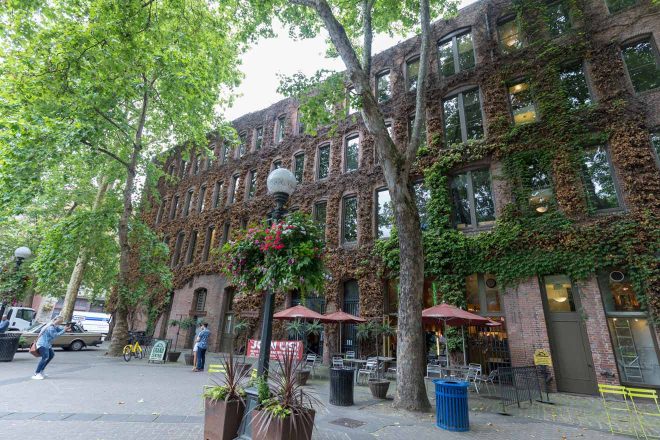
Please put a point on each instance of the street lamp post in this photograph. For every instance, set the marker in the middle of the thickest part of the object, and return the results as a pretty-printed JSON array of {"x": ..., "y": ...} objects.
[{"x": 281, "y": 183}]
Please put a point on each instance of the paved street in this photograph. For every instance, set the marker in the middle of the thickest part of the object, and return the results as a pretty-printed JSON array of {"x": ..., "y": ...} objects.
[{"x": 89, "y": 396}]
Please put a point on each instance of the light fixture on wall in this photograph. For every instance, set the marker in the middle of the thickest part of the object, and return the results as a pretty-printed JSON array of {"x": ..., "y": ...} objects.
[
  {"x": 617, "y": 276},
  {"x": 540, "y": 199}
]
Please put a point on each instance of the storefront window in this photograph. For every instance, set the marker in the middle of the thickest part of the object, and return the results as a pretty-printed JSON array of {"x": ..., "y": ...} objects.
[
  {"x": 559, "y": 293},
  {"x": 482, "y": 294},
  {"x": 632, "y": 337}
]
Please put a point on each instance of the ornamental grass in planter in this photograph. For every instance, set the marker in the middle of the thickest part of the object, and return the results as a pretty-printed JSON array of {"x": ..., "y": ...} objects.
[
  {"x": 223, "y": 403},
  {"x": 286, "y": 410},
  {"x": 377, "y": 385}
]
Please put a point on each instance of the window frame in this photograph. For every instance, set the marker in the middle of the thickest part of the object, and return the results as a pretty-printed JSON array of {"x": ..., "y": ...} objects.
[
  {"x": 349, "y": 137},
  {"x": 178, "y": 244},
  {"x": 217, "y": 190},
  {"x": 483, "y": 298},
  {"x": 258, "y": 142},
  {"x": 242, "y": 149},
  {"x": 411, "y": 60},
  {"x": 344, "y": 199},
  {"x": 235, "y": 183},
  {"x": 378, "y": 190},
  {"x": 201, "y": 196},
  {"x": 192, "y": 244},
  {"x": 174, "y": 207},
  {"x": 382, "y": 73},
  {"x": 656, "y": 54},
  {"x": 474, "y": 226},
  {"x": 294, "y": 162},
  {"x": 571, "y": 18},
  {"x": 656, "y": 153},
  {"x": 615, "y": 182},
  {"x": 461, "y": 112},
  {"x": 159, "y": 213},
  {"x": 610, "y": 12},
  {"x": 317, "y": 166},
  {"x": 453, "y": 36},
  {"x": 208, "y": 242},
  {"x": 188, "y": 201},
  {"x": 251, "y": 187},
  {"x": 315, "y": 212},
  {"x": 500, "y": 42},
  {"x": 585, "y": 72},
  {"x": 226, "y": 230},
  {"x": 280, "y": 128},
  {"x": 522, "y": 80}
]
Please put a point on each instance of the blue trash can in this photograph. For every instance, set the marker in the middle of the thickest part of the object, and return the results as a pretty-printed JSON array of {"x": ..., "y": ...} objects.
[{"x": 451, "y": 405}]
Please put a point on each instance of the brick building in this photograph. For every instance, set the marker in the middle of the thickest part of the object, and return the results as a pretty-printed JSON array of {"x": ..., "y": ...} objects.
[{"x": 488, "y": 85}]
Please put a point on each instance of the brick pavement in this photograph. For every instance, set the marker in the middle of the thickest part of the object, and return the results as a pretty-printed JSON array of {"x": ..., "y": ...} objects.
[{"x": 93, "y": 397}]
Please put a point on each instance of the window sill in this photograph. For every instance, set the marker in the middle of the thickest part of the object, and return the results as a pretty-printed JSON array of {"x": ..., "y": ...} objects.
[
  {"x": 607, "y": 211},
  {"x": 475, "y": 230}
]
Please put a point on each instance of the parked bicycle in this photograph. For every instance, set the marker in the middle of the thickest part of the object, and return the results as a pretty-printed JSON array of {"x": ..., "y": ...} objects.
[{"x": 132, "y": 349}]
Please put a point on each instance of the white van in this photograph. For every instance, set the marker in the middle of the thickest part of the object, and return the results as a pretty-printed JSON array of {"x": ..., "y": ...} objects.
[
  {"x": 92, "y": 321},
  {"x": 20, "y": 318}
]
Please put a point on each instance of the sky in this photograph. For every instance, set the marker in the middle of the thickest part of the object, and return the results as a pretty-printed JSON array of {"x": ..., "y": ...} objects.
[{"x": 282, "y": 55}]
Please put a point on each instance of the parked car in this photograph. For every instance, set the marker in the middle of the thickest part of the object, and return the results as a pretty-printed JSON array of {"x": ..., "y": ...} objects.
[{"x": 77, "y": 339}]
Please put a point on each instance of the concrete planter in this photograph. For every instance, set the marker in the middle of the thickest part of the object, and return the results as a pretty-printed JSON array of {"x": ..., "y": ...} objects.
[
  {"x": 173, "y": 356},
  {"x": 379, "y": 388},
  {"x": 188, "y": 358},
  {"x": 222, "y": 419},
  {"x": 8, "y": 346},
  {"x": 295, "y": 427}
]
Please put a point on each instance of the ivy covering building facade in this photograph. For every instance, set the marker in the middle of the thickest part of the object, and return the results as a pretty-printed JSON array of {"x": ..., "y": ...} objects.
[{"x": 538, "y": 190}]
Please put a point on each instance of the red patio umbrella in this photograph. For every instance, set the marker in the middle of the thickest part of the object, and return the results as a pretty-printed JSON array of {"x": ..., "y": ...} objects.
[
  {"x": 299, "y": 312},
  {"x": 340, "y": 318},
  {"x": 455, "y": 317}
]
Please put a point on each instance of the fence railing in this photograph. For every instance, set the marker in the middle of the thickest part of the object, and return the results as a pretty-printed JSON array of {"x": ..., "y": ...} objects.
[{"x": 522, "y": 384}]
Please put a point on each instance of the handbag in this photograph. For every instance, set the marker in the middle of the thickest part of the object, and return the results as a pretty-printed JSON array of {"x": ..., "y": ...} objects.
[{"x": 33, "y": 350}]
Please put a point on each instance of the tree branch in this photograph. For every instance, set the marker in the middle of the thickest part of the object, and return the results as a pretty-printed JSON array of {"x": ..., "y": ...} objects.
[
  {"x": 109, "y": 153},
  {"x": 420, "y": 99},
  {"x": 368, "y": 35},
  {"x": 111, "y": 121}
]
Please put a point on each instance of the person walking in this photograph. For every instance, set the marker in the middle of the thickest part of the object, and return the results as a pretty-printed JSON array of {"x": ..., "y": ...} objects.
[
  {"x": 45, "y": 344},
  {"x": 4, "y": 324},
  {"x": 202, "y": 345}
]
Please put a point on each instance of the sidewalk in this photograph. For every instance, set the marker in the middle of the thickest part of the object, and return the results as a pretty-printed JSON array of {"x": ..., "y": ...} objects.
[{"x": 89, "y": 396}]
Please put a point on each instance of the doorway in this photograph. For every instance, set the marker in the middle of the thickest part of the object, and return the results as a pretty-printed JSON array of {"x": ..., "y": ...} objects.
[{"x": 571, "y": 351}]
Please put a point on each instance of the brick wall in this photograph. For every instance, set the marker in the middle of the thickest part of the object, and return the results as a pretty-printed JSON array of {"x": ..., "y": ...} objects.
[{"x": 525, "y": 322}]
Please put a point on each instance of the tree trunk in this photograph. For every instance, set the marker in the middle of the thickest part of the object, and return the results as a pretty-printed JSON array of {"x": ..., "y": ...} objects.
[
  {"x": 81, "y": 262},
  {"x": 120, "y": 333}
]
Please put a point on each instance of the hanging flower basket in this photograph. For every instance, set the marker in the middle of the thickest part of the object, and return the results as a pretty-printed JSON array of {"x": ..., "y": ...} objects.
[{"x": 284, "y": 256}]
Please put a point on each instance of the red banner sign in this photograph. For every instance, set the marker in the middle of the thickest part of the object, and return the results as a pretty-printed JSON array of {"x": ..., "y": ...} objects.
[{"x": 277, "y": 349}]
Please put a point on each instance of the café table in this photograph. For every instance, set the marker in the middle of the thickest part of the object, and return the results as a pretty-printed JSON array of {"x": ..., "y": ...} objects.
[
  {"x": 358, "y": 363},
  {"x": 457, "y": 371}
]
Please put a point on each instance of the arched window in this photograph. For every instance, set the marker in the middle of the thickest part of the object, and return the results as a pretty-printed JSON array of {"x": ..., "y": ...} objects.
[{"x": 200, "y": 300}]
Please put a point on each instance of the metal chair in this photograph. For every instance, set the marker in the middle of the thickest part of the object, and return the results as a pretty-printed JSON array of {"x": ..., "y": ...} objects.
[
  {"x": 311, "y": 363},
  {"x": 490, "y": 379},
  {"x": 350, "y": 354},
  {"x": 433, "y": 370},
  {"x": 641, "y": 413},
  {"x": 473, "y": 371},
  {"x": 369, "y": 370},
  {"x": 337, "y": 362},
  {"x": 607, "y": 393}
]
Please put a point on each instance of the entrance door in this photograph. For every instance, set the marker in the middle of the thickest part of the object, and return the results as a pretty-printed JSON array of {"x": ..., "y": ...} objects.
[
  {"x": 227, "y": 339},
  {"x": 571, "y": 352}
]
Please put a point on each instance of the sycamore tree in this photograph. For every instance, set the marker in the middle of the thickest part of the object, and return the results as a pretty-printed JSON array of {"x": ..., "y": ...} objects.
[
  {"x": 126, "y": 80},
  {"x": 351, "y": 25}
]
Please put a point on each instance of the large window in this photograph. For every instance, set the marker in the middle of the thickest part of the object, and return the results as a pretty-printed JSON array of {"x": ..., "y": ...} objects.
[
  {"x": 252, "y": 184},
  {"x": 632, "y": 336},
  {"x": 522, "y": 103},
  {"x": 598, "y": 179},
  {"x": 539, "y": 187},
  {"x": 559, "y": 18},
  {"x": 412, "y": 72},
  {"x": 472, "y": 199},
  {"x": 224, "y": 153},
  {"x": 422, "y": 198},
  {"x": 643, "y": 65},
  {"x": 174, "y": 207},
  {"x": 235, "y": 182},
  {"x": 280, "y": 126},
  {"x": 456, "y": 53},
  {"x": 209, "y": 240},
  {"x": 299, "y": 166},
  {"x": 177, "y": 249},
  {"x": 351, "y": 153},
  {"x": 510, "y": 35},
  {"x": 383, "y": 86},
  {"x": 242, "y": 144},
  {"x": 384, "y": 213},
  {"x": 159, "y": 214},
  {"x": 276, "y": 164},
  {"x": 617, "y": 5},
  {"x": 258, "y": 138},
  {"x": 320, "y": 213},
  {"x": 349, "y": 220},
  {"x": 200, "y": 300},
  {"x": 482, "y": 294},
  {"x": 574, "y": 84},
  {"x": 195, "y": 164},
  {"x": 462, "y": 117},
  {"x": 217, "y": 194},
  {"x": 225, "y": 233},
  {"x": 323, "y": 162},
  {"x": 191, "y": 247},
  {"x": 188, "y": 201},
  {"x": 201, "y": 198}
]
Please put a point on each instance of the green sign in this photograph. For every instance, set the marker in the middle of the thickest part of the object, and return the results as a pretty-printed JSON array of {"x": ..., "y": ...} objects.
[{"x": 158, "y": 351}]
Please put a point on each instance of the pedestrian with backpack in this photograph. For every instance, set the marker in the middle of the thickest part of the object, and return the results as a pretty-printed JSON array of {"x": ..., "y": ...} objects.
[{"x": 44, "y": 344}]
